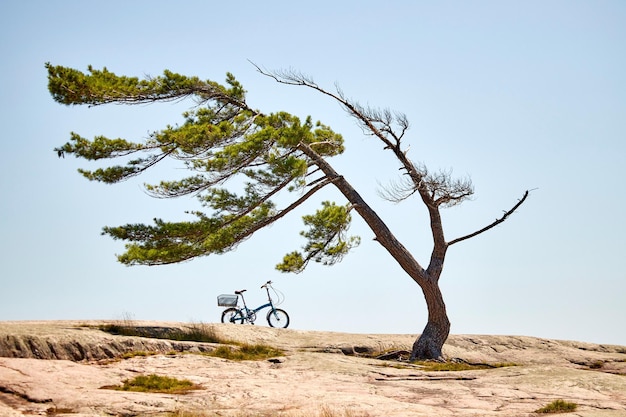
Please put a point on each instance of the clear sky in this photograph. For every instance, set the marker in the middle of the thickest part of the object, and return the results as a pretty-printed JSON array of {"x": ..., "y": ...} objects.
[{"x": 515, "y": 95}]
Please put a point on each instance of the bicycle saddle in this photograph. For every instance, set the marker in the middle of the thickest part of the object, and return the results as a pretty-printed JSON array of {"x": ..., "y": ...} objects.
[{"x": 240, "y": 292}]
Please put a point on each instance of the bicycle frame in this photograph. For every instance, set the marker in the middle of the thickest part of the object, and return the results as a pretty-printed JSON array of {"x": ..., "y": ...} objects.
[
  {"x": 255, "y": 310},
  {"x": 249, "y": 314}
]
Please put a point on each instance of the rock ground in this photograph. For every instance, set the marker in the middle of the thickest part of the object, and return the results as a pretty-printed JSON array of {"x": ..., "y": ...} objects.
[{"x": 59, "y": 368}]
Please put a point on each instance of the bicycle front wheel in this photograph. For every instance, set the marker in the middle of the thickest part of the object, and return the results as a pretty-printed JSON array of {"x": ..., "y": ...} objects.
[
  {"x": 232, "y": 315},
  {"x": 278, "y": 318}
]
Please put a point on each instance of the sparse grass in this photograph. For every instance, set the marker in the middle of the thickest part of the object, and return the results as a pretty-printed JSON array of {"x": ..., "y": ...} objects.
[
  {"x": 54, "y": 411},
  {"x": 199, "y": 332},
  {"x": 557, "y": 406},
  {"x": 429, "y": 365},
  {"x": 329, "y": 412},
  {"x": 236, "y": 352},
  {"x": 134, "y": 354},
  {"x": 596, "y": 364},
  {"x": 396, "y": 365},
  {"x": 246, "y": 352},
  {"x": 394, "y": 352},
  {"x": 324, "y": 411},
  {"x": 119, "y": 329},
  {"x": 458, "y": 366},
  {"x": 156, "y": 383},
  {"x": 194, "y": 332}
]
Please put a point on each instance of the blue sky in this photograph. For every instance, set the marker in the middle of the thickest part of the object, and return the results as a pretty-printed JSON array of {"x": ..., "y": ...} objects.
[{"x": 515, "y": 95}]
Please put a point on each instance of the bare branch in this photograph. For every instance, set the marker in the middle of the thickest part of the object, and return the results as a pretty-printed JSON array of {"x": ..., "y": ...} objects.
[
  {"x": 439, "y": 189},
  {"x": 381, "y": 124},
  {"x": 494, "y": 224},
  {"x": 375, "y": 122},
  {"x": 398, "y": 190}
]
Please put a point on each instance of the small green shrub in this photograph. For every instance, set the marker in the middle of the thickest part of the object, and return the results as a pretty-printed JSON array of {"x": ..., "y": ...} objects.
[
  {"x": 557, "y": 406},
  {"x": 156, "y": 383},
  {"x": 246, "y": 352}
]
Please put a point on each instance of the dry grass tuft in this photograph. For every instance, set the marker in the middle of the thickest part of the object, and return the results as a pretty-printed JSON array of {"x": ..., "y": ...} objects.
[
  {"x": 246, "y": 352},
  {"x": 557, "y": 406},
  {"x": 156, "y": 383}
]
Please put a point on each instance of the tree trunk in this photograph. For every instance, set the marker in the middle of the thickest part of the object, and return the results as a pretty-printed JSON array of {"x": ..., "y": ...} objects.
[{"x": 430, "y": 343}]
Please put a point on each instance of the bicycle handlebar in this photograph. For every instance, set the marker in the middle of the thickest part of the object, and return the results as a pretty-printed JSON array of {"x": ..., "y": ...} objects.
[{"x": 262, "y": 286}]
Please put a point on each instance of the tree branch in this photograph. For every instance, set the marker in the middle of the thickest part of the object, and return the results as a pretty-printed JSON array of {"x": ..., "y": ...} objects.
[
  {"x": 382, "y": 234},
  {"x": 375, "y": 122},
  {"x": 494, "y": 224},
  {"x": 284, "y": 211},
  {"x": 367, "y": 119}
]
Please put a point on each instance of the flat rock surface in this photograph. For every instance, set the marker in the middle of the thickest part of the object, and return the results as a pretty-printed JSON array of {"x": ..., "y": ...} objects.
[{"x": 59, "y": 368}]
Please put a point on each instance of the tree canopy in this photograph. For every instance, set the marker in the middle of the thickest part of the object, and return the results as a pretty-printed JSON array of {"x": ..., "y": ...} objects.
[{"x": 222, "y": 140}]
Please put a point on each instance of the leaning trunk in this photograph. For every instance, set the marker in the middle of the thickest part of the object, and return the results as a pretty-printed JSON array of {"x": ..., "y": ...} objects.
[{"x": 430, "y": 343}]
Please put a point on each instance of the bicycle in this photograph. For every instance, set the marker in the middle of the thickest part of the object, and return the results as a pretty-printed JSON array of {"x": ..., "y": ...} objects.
[{"x": 276, "y": 317}]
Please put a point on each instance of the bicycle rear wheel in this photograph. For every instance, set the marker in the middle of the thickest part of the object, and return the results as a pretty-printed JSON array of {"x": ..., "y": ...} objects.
[
  {"x": 232, "y": 315},
  {"x": 278, "y": 318}
]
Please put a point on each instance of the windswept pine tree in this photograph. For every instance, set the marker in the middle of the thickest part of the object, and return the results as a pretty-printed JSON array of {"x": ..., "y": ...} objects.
[{"x": 225, "y": 141}]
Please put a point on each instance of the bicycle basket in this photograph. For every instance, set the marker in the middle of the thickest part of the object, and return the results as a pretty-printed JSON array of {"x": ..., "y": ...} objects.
[{"x": 227, "y": 300}]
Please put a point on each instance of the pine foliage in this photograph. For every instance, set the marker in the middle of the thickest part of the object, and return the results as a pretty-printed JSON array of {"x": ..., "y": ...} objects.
[{"x": 222, "y": 142}]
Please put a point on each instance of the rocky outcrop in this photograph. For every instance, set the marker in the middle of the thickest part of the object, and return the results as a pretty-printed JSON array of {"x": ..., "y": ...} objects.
[
  {"x": 321, "y": 371},
  {"x": 86, "y": 344},
  {"x": 85, "y": 341}
]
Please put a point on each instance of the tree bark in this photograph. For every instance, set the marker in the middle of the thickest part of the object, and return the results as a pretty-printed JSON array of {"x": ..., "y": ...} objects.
[{"x": 429, "y": 344}]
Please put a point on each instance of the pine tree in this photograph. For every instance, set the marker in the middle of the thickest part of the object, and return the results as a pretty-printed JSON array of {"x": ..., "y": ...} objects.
[{"x": 224, "y": 141}]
